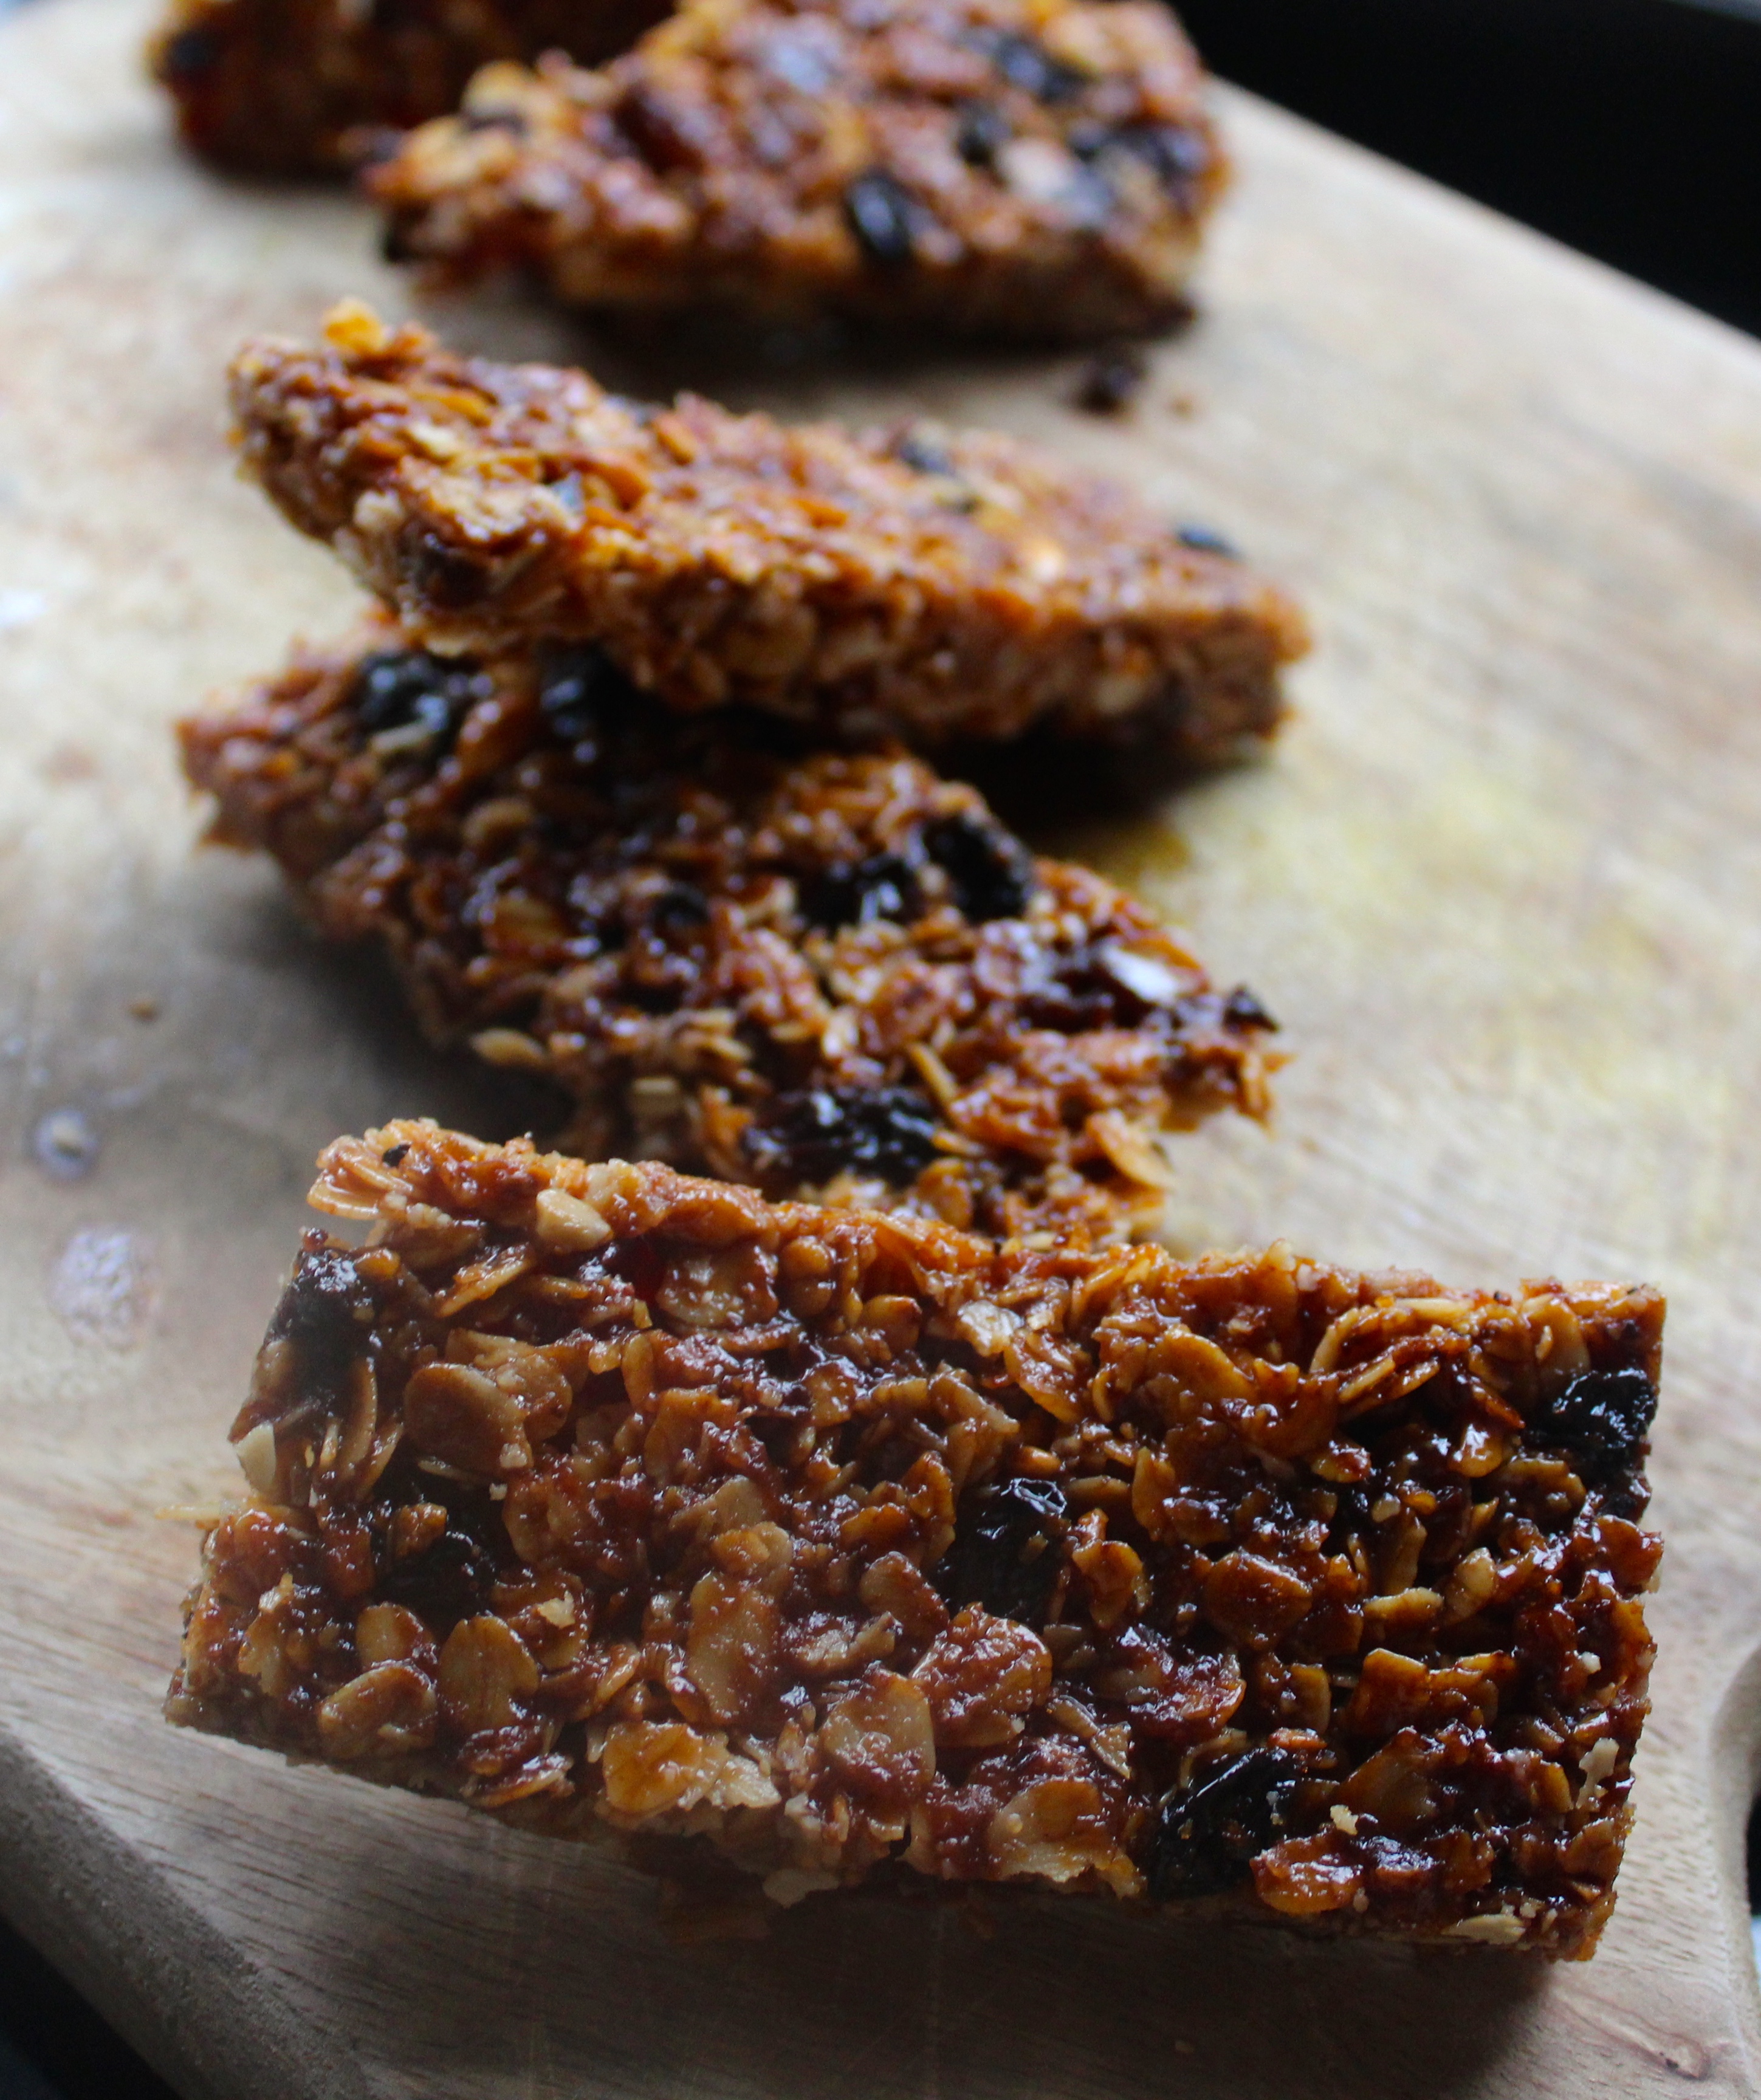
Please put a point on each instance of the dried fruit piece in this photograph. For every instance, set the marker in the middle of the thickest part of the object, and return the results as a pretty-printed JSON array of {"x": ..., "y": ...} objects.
[
  {"x": 1209, "y": 1832},
  {"x": 842, "y": 1538}
]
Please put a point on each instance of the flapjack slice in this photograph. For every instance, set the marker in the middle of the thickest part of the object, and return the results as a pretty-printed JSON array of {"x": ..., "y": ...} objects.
[
  {"x": 852, "y": 1544},
  {"x": 834, "y": 972},
  {"x": 1039, "y": 169},
  {"x": 937, "y": 585}
]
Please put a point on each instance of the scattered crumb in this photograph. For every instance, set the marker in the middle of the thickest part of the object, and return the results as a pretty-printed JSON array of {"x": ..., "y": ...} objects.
[
  {"x": 144, "y": 1009},
  {"x": 1110, "y": 381}
]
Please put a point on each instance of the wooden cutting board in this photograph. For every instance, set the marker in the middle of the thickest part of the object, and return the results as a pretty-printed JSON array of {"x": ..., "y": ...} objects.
[{"x": 1502, "y": 879}]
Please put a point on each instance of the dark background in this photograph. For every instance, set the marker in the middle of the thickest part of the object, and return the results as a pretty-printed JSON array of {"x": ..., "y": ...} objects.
[{"x": 1630, "y": 129}]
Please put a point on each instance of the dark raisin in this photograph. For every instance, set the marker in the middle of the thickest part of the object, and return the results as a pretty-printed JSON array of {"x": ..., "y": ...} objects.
[
  {"x": 190, "y": 54},
  {"x": 1179, "y": 157},
  {"x": 980, "y": 132},
  {"x": 452, "y": 577},
  {"x": 395, "y": 1155},
  {"x": 680, "y": 908},
  {"x": 883, "y": 886},
  {"x": 882, "y": 216},
  {"x": 922, "y": 454},
  {"x": 1203, "y": 541},
  {"x": 822, "y": 1132},
  {"x": 1110, "y": 381},
  {"x": 1351, "y": 1513},
  {"x": 1242, "y": 1009},
  {"x": 445, "y": 1584},
  {"x": 397, "y": 689},
  {"x": 1030, "y": 67},
  {"x": 640, "y": 1263},
  {"x": 992, "y": 871},
  {"x": 326, "y": 1312},
  {"x": 395, "y": 243},
  {"x": 661, "y": 130},
  {"x": 1208, "y": 1832},
  {"x": 574, "y": 686},
  {"x": 1601, "y": 1417},
  {"x": 1005, "y": 1557}
]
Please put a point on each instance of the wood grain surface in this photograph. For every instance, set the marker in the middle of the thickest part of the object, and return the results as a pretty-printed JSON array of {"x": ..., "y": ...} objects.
[{"x": 1502, "y": 879}]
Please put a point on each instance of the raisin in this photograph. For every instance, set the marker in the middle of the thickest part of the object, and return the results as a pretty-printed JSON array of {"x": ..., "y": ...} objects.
[
  {"x": 662, "y": 132},
  {"x": 882, "y": 216},
  {"x": 1203, "y": 541},
  {"x": 574, "y": 685},
  {"x": 326, "y": 1311},
  {"x": 397, "y": 689},
  {"x": 1208, "y": 1832},
  {"x": 883, "y": 886},
  {"x": 1005, "y": 1556},
  {"x": 821, "y": 1131},
  {"x": 1179, "y": 157},
  {"x": 681, "y": 908},
  {"x": 394, "y": 243},
  {"x": 640, "y": 1263},
  {"x": 1030, "y": 67},
  {"x": 191, "y": 53},
  {"x": 1110, "y": 381},
  {"x": 1602, "y": 1418},
  {"x": 991, "y": 872},
  {"x": 445, "y": 1584},
  {"x": 980, "y": 132},
  {"x": 450, "y": 576},
  {"x": 1242, "y": 1009},
  {"x": 923, "y": 455},
  {"x": 1081, "y": 989}
]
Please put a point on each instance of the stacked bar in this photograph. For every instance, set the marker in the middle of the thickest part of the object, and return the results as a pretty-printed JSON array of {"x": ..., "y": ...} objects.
[{"x": 850, "y": 1543}]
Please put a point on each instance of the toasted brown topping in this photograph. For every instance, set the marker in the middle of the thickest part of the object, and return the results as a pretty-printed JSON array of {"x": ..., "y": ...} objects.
[
  {"x": 835, "y": 579},
  {"x": 840, "y": 1538}
]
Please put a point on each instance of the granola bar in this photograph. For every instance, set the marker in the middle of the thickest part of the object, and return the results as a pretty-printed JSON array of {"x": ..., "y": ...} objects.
[
  {"x": 833, "y": 973},
  {"x": 910, "y": 580},
  {"x": 1028, "y": 169},
  {"x": 848, "y": 1541},
  {"x": 297, "y": 87}
]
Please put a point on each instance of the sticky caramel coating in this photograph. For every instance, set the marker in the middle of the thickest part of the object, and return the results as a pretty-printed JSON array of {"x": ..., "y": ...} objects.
[
  {"x": 295, "y": 87},
  {"x": 824, "y": 973},
  {"x": 1038, "y": 169},
  {"x": 939, "y": 587},
  {"x": 845, "y": 1541}
]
